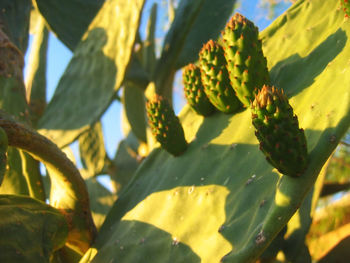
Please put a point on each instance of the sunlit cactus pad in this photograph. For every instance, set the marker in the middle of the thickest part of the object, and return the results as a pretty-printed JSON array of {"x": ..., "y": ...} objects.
[{"x": 221, "y": 197}]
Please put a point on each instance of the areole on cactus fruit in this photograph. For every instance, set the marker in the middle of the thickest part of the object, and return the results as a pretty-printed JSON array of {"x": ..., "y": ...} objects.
[
  {"x": 277, "y": 129},
  {"x": 166, "y": 126},
  {"x": 194, "y": 91},
  {"x": 215, "y": 78},
  {"x": 246, "y": 63},
  {"x": 346, "y": 7}
]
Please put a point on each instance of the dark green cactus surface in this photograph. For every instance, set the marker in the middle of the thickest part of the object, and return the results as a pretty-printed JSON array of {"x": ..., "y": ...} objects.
[
  {"x": 30, "y": 230},
  {"x": 194, "y": 91},
  {"x": 67, "y": 27},
  {"x": 3, "y": 156},
  {"x": 246, "y": 63},
  {"x": 215, "y": 78},
  {"x": 166, "y": 126},
  {"x": 212, "y": 17},
  {"x": 277, "y": 129},
  {"x": 346, "y": 7}
]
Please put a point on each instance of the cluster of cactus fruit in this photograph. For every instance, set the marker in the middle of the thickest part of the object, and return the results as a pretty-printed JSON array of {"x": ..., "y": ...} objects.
[{"x": 230, "y": 77}]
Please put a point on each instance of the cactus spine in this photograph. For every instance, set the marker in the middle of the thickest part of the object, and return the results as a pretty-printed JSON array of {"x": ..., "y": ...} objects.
[
  {"x": 166, "y": 126},
  {"x": 215, "y": 78},
  {"x": 194, "y": 91},
  {"x": 246, "y": 63},
  {"x": 277, "y": 130}
]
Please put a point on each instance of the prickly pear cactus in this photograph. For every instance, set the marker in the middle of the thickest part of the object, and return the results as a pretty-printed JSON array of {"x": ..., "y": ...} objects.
[
  {"x": 346, "y": 7},
  {"x": 166, "y": 126},
  {"x": 277, "y": 130},
  {"x": 194, "y": 91},
  {"x": 246, "y": 63},
  {"x": 222, "y": 200},
  {"x": 215, "y": 78}
]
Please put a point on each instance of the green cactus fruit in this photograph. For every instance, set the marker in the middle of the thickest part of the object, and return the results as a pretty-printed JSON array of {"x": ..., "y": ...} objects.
[
  {"x": 346, "y": 7},
  {"x": 277, "y": 130},
  {"x": 215, "y": 78},
  {"x": 246, "y": 63},
  {"x": 166, "y": 126},
  {"x": 194, "y": 91}
]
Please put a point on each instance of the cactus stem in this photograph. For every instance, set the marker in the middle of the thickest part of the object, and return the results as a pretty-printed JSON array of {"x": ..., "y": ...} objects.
[{"x": 64, "y": 174}]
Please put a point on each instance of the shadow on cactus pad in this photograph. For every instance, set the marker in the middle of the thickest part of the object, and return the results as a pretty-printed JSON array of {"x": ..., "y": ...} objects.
[
  {"x": 92, "y": 74},
  {"x": 141, "y": 242},
  {"x": 30, "y": 230},
  {"x": 295, "y": 71}
]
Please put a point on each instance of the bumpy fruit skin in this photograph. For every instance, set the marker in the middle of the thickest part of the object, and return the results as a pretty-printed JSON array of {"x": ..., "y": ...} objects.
[
  {"x": 215, "y": 78},
  {"x": 346, "y": 7},
  {"x": 246, "y": 63},
  {"x": 194, "y": 91},
  {"x": 166, "y": 126},
  {"x": 277, "y": 130}
]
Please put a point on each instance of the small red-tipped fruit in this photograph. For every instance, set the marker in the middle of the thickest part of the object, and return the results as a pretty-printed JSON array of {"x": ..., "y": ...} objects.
[
  {"x": 166, "y": 126},
  {"x": 215, "y": 78},
  {"x": 194, "y": 91},
  {"x": 346, "y": 7},
  {"x": 246, "y": 63},
  {"x": 277, "y": 129}
]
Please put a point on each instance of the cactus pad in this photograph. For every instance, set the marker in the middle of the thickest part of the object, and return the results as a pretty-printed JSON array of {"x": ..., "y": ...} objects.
[
  {"x": 166, "y": 126},
  {"x": 277, "y": 130},
  {"x": 30, "y": 230},
  {"x": 246, "y": 63},
  {"x": 194, "y": 91},
  {"x": 215, "y": 78},
  {"x": 346, "y": 7},
  {"x": 3, "y": 151},
  {"x": 96, "y": 72}
]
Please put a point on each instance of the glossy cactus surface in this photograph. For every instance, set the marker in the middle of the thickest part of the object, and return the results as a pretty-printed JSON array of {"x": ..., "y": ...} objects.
[
  {"x": 215, "y": 78},
  {"x": 166, "y": 126},
  {"x": 277, "y": 129},
  {"x": 246, "y": 63},
  {"x": 194, "y": 91}
]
